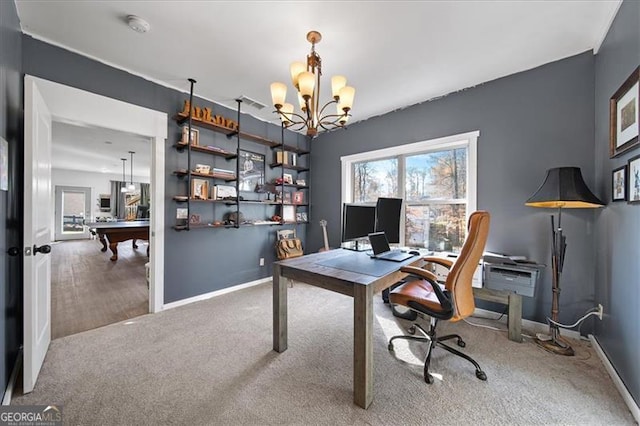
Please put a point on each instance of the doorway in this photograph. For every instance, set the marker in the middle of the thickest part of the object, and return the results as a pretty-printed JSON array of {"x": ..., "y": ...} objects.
[
  {"x": 47, "y": 102},
  {"x": 73, "y": 209}
]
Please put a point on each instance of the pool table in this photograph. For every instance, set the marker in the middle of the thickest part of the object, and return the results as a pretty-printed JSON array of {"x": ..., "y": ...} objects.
[{"x": 116, "y": 232}]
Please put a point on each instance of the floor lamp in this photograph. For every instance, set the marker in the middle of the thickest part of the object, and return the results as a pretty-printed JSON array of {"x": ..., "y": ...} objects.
[{"x": 563, "y": 188}]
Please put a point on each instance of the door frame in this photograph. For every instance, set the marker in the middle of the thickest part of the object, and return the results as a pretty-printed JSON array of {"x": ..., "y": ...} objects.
[
  {"x": 71, "y": 105},
  {"x": 58, "y": 212}
]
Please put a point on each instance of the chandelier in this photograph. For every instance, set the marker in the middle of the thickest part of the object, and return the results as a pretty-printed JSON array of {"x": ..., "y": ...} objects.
[{"x": 306, "y": 80}]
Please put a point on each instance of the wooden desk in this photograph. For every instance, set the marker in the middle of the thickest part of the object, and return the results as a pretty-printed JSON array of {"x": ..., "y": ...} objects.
[
  {"x": 357, "y": 285},
  {"x": 514, "y": 304},
  {"x": 117, "y": 232}
]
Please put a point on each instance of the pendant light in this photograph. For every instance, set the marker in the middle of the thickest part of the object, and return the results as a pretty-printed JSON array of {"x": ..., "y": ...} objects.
[
  {"x": 131, "y": 186},
  {"x": 124, "y": 181}
]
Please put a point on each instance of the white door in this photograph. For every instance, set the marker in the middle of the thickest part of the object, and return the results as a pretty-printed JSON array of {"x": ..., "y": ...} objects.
[{"x": 37, "y": 232}]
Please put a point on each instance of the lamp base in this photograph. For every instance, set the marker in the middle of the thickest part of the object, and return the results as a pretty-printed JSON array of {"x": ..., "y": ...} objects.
[{"x": 556, "y": 347}]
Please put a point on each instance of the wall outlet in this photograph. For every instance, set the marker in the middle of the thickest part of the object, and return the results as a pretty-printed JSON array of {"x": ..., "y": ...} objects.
[
  {"x": 262, "y": 263},
  {"x": 600, "y": 311}
]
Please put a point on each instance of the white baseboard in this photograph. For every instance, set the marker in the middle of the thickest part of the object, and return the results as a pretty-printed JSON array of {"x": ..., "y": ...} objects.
[
  {"x": 536, "y": 327},
  {"x": 13, "y": 379},
  {"x": 624, "y": 392},
  {"x": 214, "y": 293}
]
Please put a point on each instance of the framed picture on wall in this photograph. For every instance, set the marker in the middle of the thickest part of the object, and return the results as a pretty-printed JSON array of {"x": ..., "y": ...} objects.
[
  {"x": 251, "y": 170},
  {"x": 624, "y": 116},
  {"x": 633, "y": 189},
  {"x": 619, "y": 184}
]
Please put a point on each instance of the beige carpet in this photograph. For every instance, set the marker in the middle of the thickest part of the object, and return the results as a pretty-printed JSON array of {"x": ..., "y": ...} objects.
[{"x": 211, "y": 363}]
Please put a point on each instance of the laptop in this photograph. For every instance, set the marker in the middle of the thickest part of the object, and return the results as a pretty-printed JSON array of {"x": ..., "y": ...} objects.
[{"x": 381, "y": 249}]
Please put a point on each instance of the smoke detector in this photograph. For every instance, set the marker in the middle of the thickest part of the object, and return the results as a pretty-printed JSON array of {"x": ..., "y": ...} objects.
[{"x": 138, "y": 24}]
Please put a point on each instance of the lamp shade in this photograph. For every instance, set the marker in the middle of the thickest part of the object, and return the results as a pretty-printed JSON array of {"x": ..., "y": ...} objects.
[{"x": 564, "y": 187}]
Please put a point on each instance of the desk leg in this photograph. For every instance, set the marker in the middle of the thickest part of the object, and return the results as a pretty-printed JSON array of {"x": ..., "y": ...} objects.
[
  {"x": 279, "y": 310},
  {"x": 114, "y": 250},
  {"x": 515, "y": 317},
  {"x": 362, "y": 345}
]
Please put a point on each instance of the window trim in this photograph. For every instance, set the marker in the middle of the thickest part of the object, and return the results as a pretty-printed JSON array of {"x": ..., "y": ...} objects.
[{"x": 468, "y": 140}]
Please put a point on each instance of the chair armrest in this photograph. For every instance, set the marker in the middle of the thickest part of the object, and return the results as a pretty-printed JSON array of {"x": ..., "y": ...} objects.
[
  {"x": 442, "y": 261},
  {"x": 444, "y": 300}
]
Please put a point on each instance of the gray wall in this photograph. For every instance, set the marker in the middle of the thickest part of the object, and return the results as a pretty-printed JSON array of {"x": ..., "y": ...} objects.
[
  {"x": 528, "y": 122},
  {"x": 618, "y": 226},
  {"x": 11, "y": 102},
  {"x": 198, "y": 261}
]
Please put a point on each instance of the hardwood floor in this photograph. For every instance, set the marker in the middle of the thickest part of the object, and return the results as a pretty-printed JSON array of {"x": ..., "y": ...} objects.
[{"x": 88, "y": 290}]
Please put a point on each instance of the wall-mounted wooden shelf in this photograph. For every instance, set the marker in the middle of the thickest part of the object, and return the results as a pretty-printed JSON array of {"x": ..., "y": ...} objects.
[
  {"x": 225, "y": 178},
  {"x": 181, "y": 146},
  {"x": 182, "y": 118},
  {"x": 289, "y": 167},
  {"x": 293, "y": 149}
]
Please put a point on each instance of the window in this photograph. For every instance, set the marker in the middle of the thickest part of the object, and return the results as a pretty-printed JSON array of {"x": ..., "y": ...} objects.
[{"x": 436, "y": 179}]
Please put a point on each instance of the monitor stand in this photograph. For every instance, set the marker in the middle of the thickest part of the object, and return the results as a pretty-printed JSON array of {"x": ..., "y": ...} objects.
[{"x": 359, "y": 246}]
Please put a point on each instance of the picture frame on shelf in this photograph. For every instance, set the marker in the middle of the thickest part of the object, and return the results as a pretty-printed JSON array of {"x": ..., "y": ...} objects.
[
  {"x": 624, "y": 116},
  {"x": 194, "y": 219},
  {"x": 287, "y": 178},
  {"x": 288, "y": 213},
  {"x": 301, "y": 217},
  {"x": 286, "y": 197},
  {"x": 252, "y": 167},
  {"x": 619, "y": 184},
  {"x": 633, "y": 177},
  {"x": 298, "y": 197},
  {"x": 195, "y": 136},
  {"x": 199, "y": 189},
  {"x": 301, "y": 182},
  {"x": 225, "y": 192}
]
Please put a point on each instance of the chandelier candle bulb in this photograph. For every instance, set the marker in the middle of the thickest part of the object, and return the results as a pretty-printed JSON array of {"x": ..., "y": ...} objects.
[
  {"x": 347, "y": 94},
  {"x": 337, "y": 83},
  {"x": 306, "y": 82},
  {"x": 278, "y": 94},
  {"x": 296, "y": 69}
]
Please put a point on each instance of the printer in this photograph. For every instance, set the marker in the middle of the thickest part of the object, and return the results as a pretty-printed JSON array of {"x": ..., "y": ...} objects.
[{"x": 510, "y": 273}]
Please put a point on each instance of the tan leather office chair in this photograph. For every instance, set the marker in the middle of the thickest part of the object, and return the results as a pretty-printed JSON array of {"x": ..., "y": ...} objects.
[{"x": 451, "y": 302}]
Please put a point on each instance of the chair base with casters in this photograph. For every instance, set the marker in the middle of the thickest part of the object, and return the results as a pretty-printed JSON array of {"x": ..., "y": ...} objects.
[{"x": 430, "y": 337}]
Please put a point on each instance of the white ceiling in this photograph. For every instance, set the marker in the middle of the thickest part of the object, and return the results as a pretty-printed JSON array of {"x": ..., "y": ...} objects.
[
  {"x": 395, "y": 53},
  {"x": 98, "y": 150}
]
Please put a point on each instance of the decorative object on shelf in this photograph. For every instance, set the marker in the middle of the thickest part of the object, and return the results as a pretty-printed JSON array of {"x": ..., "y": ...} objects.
[
  {"x": 624, "y": 116},
  {"x": 202, "y": 168},
  {"x": 195, "y": 136},
  {"x": 182, "y": 213},
  {"x": 298, "y": 197},
  {"x": 124, "y": 179},
  {"x": 619, "y": 184},
  {"x": 282, "y": 157},
  {"x": 266, "y": 188},
  {"x": 276, "y": 218},
  {"x": 301, "y": 182},
  {"x": 251, "y": 170},
  {"x": 204, "y": 115},
  {"x": 301, "y": 217},
  {"x": 634, "y": 180},
  {"x": 225, "y": 192},
  {"x": 131, "y": 187},
  {"x": 563, "y": 187},
  {"x": 287, "y": 178},
  {"x": 199, "y": 189},
  {"x": 194, "y": 219},
  {"x": 306, "y": 80},
  {"x": 234, "y": 218}
]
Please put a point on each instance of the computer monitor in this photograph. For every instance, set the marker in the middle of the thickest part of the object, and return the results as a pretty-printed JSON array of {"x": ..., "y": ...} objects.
[
  {"x": 358, "y": 221},
  {"x": 388, "y": 212}
]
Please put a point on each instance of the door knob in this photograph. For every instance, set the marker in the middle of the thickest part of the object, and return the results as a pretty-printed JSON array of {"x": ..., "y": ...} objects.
[
  {"x": 13, "y": 251},
  {"x": 44, "y": 249}
]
